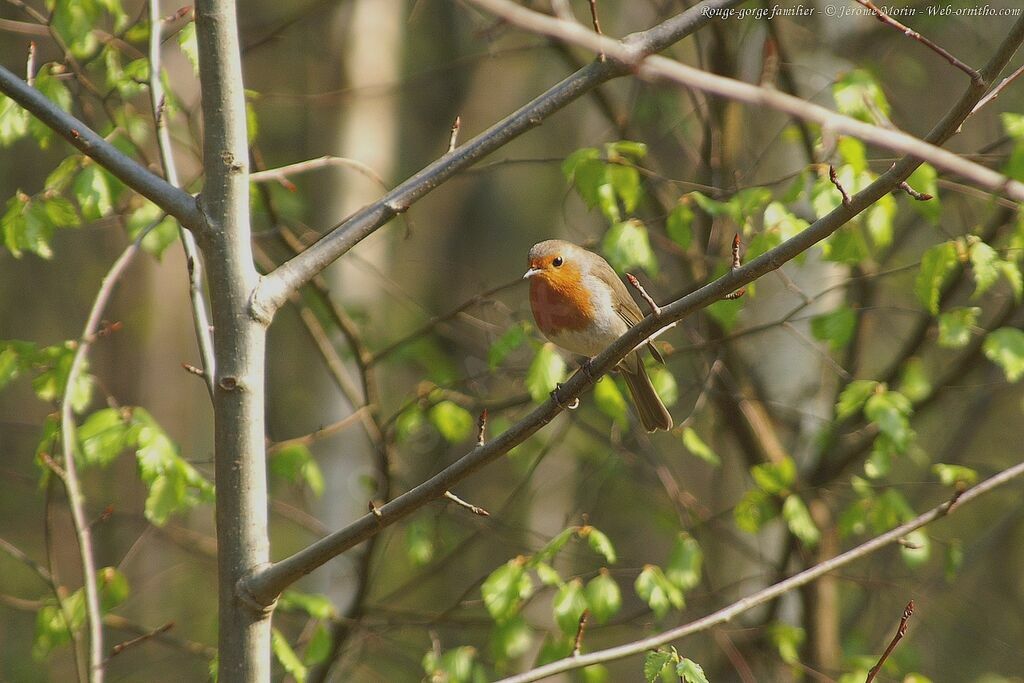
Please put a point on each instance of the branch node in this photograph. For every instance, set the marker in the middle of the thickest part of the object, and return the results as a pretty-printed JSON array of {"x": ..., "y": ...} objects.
[
  {"x": 900, "y": 632},
  {"x": 601, "y": 57},
  {"x": 919, "y": 196},
  {"x": 481, "y": 428},
  {"x": 453, "y": 139},
  {"x": 578, "y": 641},
  {"x": 839, "y": 186},
  {"x": 193, "y": 370},
  {"x": 372, "y": 507},
  {"x": 736, "y": 263}
]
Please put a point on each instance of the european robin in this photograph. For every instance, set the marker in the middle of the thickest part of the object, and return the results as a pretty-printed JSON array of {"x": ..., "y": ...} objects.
[{"x": 582, "y": 306}]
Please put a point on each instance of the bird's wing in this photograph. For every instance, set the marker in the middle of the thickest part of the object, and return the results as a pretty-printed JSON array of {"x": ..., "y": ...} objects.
[{"x": 625, "y": 306}]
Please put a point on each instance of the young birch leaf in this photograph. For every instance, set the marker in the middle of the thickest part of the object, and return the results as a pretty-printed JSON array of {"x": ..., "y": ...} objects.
[
  {"x": 511, "y": 639},
  {"x": 103, "y": 436},
  {"x": 505, "y": 590},
  {"x": 454, "y": 422},
  {"x": 914, "y": 382},
  {"x": 985, "y": 264},
  {"x": 546, "y": 371},
  {"x": 754, "y": 510},
  {"x": 609, "y": 400},
  {"x": 568, "y": 606},
  {"x": 315, "y": 605},
  {"x": 937, "y": 265},
  {"x": 657, "y": 591},
  {"x": 93, "y": 192},
  {"x": 627, "y": 246},
  {"x": 508, "y": 342},
  {"x": 655, "y": 662},
  {"x": 599, "y": 543},
  {"x": 690, "y": 671},
  {"x": 603, "y": 596},
  {"x": 788, "y": 640},
  {"x": 955, "y": 475},
  {"x": 696, "y": 446},
  {"x": 853, "y": 397},
  {"x": 955, "y": 326},
  {"x": 774, "y": 478},
  {"x": 890, "y": 410},
  {"x": 679, "y": 225},
  {"x": 836, "y": 327},
  {"x": 799, "y": 521},
  {"x": 1005, "y": 348},
  {"x": 286, "y": 656},
  {"x": 684, "y": 563}
]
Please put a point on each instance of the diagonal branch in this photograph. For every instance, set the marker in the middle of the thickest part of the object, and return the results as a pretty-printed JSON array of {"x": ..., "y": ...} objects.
[
  {"x": 175, "y": 202},
  {"x": 276, "y": 286},
  {"x": 654, "y": 67},
  {"x": 265, "y": 584},
  {"x": 770, "y": 593}
]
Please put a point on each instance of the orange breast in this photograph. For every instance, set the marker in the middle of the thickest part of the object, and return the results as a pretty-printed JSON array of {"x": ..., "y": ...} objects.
[{"x": 559, "y": 302}]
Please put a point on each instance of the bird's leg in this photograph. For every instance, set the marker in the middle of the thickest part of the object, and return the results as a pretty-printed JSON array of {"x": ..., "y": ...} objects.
[{"x": 587, "y": 368}]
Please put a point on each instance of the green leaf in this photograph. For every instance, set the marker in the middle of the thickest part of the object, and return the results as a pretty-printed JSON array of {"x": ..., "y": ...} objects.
[
  {"x": 53, "y": 88},
  {"x": 512, "y": 339},
  {"x": 657, "y": 591},
  {"x": 626, "y": 246},
  {"x": 690, "y": 671},
  {"x": 955, "y": 475},
  {"x": 545, "y": 373},
  {"x": 1011, "y": 271},
  {"x": 773, "y": 477},
  {"x": 788, "y": 640},
  {"x": 696, "y": 446},
  {"x": 419, "y": 541},
  {"x": 603, "y": 596},
  {"x": 858, "y": 94},
  {"x": 13, "y": 121},
  {"x": 937, "y": 264},
  {"x": 889, "y": 510},
  {"x": 798, "y": 519},
  {"x": 547, "y": 574},
  {"x": 954, "y": 560},
  {"x": 836, "y": 327},
  {"x": 93, "y": 193},
  {"x": 505, "y": 590},
  {"x": 679, "y": 225},
  {"x": 1005, "y": 348},
  {"x": 955, "y": 327},
  {"x": 914, "y": 382},
  {"x": 103, "y": 437},
  {"x": 286, "y": 656},
  {"x": 754, "y": 510},
  {"x": 319, "y": 647},
  {"x": 664, "y": 385},
  {"x": 162, "y": 229},
  {"x": 846, "y": 245},
  {"x": 609, "y": 400},
  {"x": 585, "y": 169},
  {"x": 599, "y": 543},
  {"x": 878, "y": 220},
  {"x": 49, "y": 384},
  {"x": 568, "y": 606},
  {"x": 454, "y": 422},
  {"x": 554, "y": 546},
  {"x": 511, "y": 639},
  {"x": 189, "y": 46},
  {"x": 628, "y": 148},
  {"x": 625, "y": 180},
  {"x": 655, "y": 662},
  {"x": 782, "y": 221},
  {"x": 295, "y": 463},
  {"x": 726, "y": 312},
  {"x": 174, "y": 484},
  {"x": 316, "y": 605},
  {"x": 453, "y": 666},
  {"x": 916, "y": 548},
  {"x": 985, "y": 263},
  {"x": 683, "y": 568},
  {"x": 890, "y": 410},
  {"x": 854, "y": 396}
]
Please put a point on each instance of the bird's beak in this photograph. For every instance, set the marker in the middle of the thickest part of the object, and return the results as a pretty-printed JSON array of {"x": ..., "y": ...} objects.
[{"x": 530, "y": 273}]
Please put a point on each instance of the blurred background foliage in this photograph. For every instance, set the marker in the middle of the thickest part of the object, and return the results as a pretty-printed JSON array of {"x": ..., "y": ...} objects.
[{"x": 856, "y": 386}]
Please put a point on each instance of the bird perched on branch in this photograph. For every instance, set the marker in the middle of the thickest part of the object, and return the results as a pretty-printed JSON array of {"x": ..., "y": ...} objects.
[{"x": 582, "y": 306}]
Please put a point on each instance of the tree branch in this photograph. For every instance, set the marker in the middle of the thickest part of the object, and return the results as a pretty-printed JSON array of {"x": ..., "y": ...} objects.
[
  {"x": 267, "y": 583},
  {"x": 655, "y": 67},
  {"x": 175, "y": 202},
  {"x": 193, "y": 260},
  {"x": 276, "y": 286},
  {"x": 759, "y": 598}
]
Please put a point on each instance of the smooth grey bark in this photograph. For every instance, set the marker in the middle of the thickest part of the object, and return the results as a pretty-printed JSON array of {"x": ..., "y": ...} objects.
[{"x": 239, "y": 347}]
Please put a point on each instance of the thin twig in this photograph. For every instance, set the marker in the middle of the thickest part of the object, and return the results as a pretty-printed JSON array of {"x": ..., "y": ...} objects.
[
  {"x": 481, "y": 428},
  {"x": 453, "y": 139},
  {"x": 122, "y": 646},
  {"x": 30, "y": 65},
  {"x": 76, "y": 500},
  {"x": 911, "y": 33},
  {"x": 655, "y": 308},
  {"x": 281, "y": 173},
  {"x": 322, "y": 433},
  {"x": 839, "y": 186},
  {"x": 736, "y": 263},
  {"x": 919, "y": 196},
  {"x": 765, "y": 595},
  {"x": 475, "y": 509},
  {"x": 193, "y": 261},
  {"x": 577, "y": 642},
  {"x": 900, "y": 632},
  {"x": 597, "y": 27},
  {"x": 994, "y": 93}
]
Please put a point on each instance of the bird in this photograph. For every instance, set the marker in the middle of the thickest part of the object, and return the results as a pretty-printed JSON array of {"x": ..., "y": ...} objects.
[{"x": 580, "y": 304}]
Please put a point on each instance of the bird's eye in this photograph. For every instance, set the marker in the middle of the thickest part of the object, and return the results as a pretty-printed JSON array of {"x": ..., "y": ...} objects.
[{"x": 557, "y": 261}]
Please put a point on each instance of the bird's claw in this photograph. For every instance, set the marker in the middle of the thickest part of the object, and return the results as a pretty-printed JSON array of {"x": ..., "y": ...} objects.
[{"x": 572, "y": 405}]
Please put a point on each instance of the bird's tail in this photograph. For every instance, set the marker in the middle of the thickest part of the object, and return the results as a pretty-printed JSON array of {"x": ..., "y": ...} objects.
[{"x": 649, "y": 407}]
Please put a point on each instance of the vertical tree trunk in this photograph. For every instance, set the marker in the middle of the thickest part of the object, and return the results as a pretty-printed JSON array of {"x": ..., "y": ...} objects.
[{"x": 239, "y": 347}]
